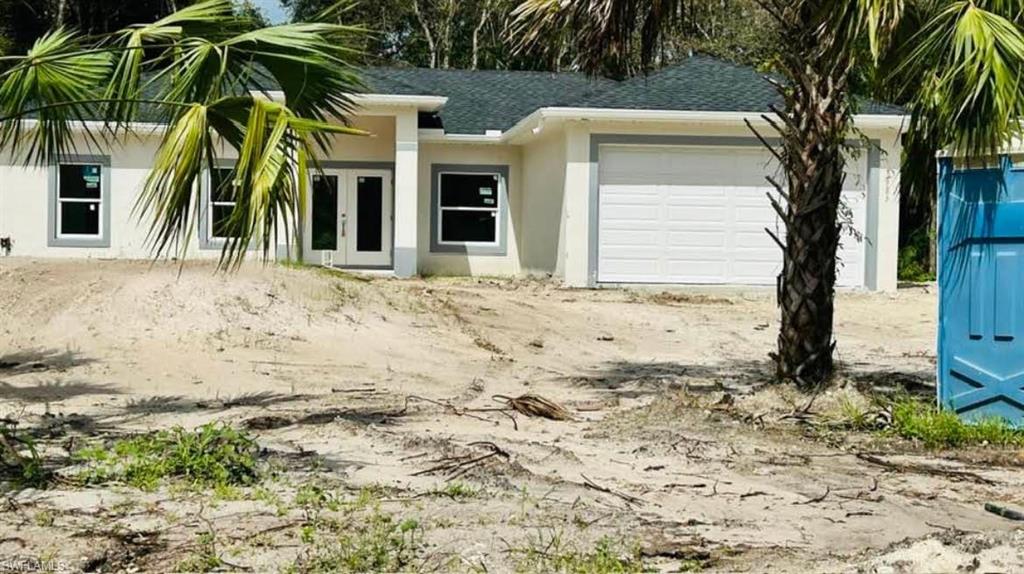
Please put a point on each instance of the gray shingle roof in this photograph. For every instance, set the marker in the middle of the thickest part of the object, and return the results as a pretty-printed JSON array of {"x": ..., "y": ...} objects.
[
  {"x": 484, "y": 100},
  {"x": 495, "y": 100}
]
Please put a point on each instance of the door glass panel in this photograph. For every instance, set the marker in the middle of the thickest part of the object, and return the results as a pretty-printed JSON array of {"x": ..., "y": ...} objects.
[
  {"x": 325, "y": 213},
  {"x": 370, "y": 213}
]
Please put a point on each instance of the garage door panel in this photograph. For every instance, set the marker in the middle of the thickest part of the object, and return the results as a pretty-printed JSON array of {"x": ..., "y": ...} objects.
[
  {"x": 631, "y": 238},
  {"x": 710, "y": 238},
  {"x": 678, "y": 270},
  {"x": 698, "y": 215},
  {"x": 688, "y": 194}
]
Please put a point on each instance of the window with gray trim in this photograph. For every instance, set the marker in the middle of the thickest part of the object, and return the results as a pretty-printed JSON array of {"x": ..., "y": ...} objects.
[
  {"x": 80, "y": 197},
  {"x": 469, "y": 208},
  {"x": 222, "y": 201}
]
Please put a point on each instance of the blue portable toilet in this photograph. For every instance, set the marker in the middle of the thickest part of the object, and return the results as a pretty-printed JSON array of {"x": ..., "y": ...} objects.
[{"x": 981, "y": 288}]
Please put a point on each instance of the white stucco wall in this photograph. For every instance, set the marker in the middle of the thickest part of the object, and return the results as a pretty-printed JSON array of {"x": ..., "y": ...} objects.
[
  {"x": 471, "y": 155},
  {"x": 543, "y": 193},
  {"x": 25, "y": 194}
]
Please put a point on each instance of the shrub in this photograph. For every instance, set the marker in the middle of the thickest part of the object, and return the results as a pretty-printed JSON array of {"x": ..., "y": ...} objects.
[
  {"x": 912, "y": 264},
  {"x": 212, "y": 456}
]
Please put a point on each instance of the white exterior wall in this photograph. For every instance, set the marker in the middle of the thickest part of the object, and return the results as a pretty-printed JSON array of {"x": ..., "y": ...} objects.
[
  {"x": 543, "y": 194},
  {"x": 471, "y": 155},
  {"x": 25, "y": 194},
  {"x": 25, "y": 197}
]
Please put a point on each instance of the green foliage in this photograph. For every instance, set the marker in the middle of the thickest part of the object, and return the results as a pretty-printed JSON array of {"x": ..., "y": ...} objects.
[
  {"x": 204, "y": 557},
  {"x": 913, "y": 259},
  {"x": 212, "y": 456},
  {"x": 941, "y": 428},
  {"x": 457, "y": 491},
  {"x": 554, "y": 555},
  {"x": 854, "y": 415},
  {"x": 376, "y": 543},
  {"x": 20, "y": 463}
]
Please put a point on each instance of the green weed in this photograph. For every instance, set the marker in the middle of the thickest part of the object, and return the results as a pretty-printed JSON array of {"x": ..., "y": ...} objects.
[
  {"x": 939, "y": 428},
  {"x": 855, "y": 416},
  {"x": 20, "y": 463},
  {"x": 553, "y": 555},
  {"x": 204, "y": 558},
  {"x": 378, "y": 543},
  {"x": 212, "y": 456},
  {"x": 457, "y": 491}
]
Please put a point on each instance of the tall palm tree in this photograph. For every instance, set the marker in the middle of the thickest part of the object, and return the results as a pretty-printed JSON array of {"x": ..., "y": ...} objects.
[
  {"x": 961, "y": 63},
  {"x": 203, "y": 76}
]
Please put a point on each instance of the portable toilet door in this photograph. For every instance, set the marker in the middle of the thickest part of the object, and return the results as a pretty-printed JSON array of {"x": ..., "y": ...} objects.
[{"x": 981, "y": 288}]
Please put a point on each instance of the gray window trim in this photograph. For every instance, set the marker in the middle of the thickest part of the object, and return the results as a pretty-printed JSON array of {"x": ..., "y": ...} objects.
[
  {"x": 501, "y": 247},
  {"x": 598, "y": 140},
  {"x": 103, "y": 240}
]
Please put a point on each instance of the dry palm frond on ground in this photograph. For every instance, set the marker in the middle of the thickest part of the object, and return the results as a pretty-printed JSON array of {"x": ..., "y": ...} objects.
[{"x": 535, "y": 406}]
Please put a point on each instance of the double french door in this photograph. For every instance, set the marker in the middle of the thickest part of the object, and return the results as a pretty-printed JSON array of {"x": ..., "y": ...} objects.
[{"x": 349, "y": 219}]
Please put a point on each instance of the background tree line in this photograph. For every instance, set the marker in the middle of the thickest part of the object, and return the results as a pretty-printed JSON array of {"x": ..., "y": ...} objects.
[
  {"x": 474, "y": 34},
  {"x": 24, "y": 21}
]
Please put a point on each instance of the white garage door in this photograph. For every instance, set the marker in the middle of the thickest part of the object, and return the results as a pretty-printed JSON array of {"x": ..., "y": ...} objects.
[{"x": 698, "y": 215}]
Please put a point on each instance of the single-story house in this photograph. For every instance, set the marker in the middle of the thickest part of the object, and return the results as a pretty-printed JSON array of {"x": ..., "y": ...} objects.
[{"x": 655, "y": 179}]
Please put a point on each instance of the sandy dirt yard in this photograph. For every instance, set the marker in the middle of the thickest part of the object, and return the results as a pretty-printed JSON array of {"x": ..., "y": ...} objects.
[{"x": 378, "y": 397}]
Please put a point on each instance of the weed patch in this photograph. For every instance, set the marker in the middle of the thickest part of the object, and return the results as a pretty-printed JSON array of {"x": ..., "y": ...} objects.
[
  {"x": 938, "y": 428},
  {"x": 212, "y": 456},
  {"x": 374, "y": 543},
  {"x": 20, "y": 463},
  {"x": 457, "y": 491},
  {"x": 204, "y": 557},
  {"x": 553, "y": 555}
]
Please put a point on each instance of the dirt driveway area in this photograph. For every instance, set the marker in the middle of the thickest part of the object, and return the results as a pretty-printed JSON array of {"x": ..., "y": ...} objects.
[{"x": 379, "y": 407}]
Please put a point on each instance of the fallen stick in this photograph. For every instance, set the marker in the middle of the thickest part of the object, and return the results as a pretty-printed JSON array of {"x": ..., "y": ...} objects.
[
  {"x": 630, "y": 499},
  {"x": 456, "y": 466},
  {"x": 449, "y": 407},
  {"x": 959, "y": 475},
  {"x": 816, "y": 499},
  {"x": 1007, "y": 513}
]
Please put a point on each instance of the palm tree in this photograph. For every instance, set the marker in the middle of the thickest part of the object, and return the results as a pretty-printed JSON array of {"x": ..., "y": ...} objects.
[
  {"x": 204, "y": 77},
  {"x": 960, "y": 62}
]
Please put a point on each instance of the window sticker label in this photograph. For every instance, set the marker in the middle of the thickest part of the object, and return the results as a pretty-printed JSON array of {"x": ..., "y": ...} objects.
[
  {"x": 488, "y": 202},
  {"x": 486, "y": 191}
]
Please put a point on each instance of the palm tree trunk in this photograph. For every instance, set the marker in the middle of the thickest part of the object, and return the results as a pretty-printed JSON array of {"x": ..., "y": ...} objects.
[{"x": 813, "y": 124}]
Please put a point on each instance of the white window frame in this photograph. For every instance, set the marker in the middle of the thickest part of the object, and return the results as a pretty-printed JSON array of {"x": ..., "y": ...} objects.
[
  {"x": 495, "y": 211},
  {"x": 211, "y": 203},
  {"x": 62, "y": 200}
]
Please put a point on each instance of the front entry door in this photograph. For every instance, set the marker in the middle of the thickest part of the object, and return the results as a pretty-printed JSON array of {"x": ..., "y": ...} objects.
[{"x": 349, "y": 219}]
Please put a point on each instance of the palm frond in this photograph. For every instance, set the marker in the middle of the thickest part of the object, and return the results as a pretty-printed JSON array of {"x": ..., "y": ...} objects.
[
  {"x": 977, "y": 59},
  {"x": 57, "y": 80}
]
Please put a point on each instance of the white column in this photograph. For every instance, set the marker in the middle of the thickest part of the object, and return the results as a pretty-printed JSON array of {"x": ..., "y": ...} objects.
[
  {"x": 574, "y": 258},
  {"x": 884, "y": 216},
  {"x": 406, "y": 193}
]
